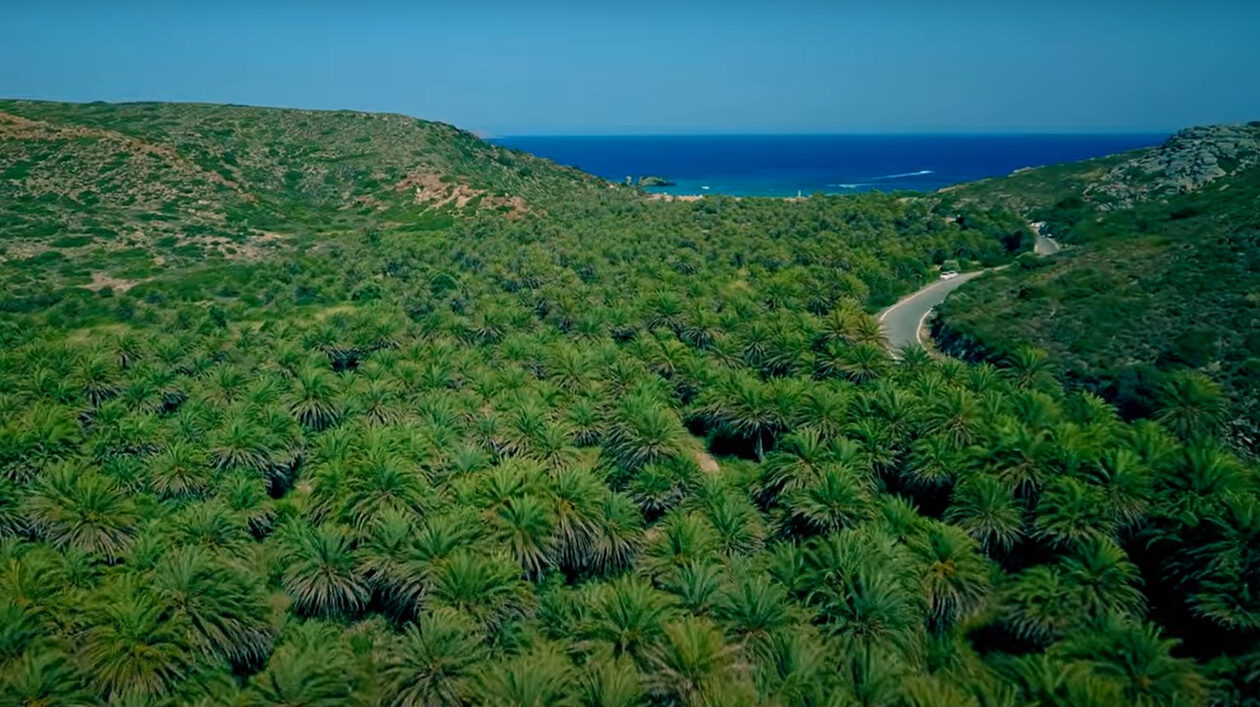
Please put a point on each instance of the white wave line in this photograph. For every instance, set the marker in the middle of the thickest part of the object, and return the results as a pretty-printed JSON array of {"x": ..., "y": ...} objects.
[{"x": 905, "y": 174}]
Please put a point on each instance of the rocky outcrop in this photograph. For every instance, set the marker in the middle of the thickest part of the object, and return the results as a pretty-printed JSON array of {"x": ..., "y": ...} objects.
[
  {"x": 1185, "y": 162},
  {"x": 654, "y": 181}
]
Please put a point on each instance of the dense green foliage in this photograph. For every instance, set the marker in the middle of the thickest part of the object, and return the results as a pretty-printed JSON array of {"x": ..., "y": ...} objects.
[
  {"x": 603, "y": 451},
  {"x": 1154, "y": 305}
]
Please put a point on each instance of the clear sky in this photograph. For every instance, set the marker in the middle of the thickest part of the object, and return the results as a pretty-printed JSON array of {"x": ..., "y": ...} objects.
[{"x": 599, "y": 67}]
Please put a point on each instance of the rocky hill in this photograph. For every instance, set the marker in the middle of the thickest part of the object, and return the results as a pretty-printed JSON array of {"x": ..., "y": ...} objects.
[{"x": 1187, "y": 161}]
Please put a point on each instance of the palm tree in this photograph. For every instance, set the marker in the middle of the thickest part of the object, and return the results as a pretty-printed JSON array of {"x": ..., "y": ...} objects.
[
  {"x": 753, "y": 608},
  {"x": 849, "y": 324},
  {"x": 957, "y": 578},
  {"x": 180, "y": 471},
  {"x": 657, "y": 488},
  {"x": 484, "y": 585},
  {"x": 78, "y": 508},
  {"x": 986, "y": 509},
  {"x": 1217, "y": 568},
  {"x": 838, "y": 498},
  {"x": 1136, "y": 657},
  {"x": 643, "y": 432},
  {"x": 627, "y": 614},
  {"x": 441, "y": 535},
  {"x": 746, "y": 407},
  {"x": 1021, "y": 455},
  {"x": 431, "y": 661},
  {"x": 695, "y": 584},
  {"x": 224, "y": 606},
  {"x": 798, "y": 460},
  {"x": 94, "y": 376},
  {"x": 525, "y": 525},
  {"x": 377, "y": 400},
  {"x": 393, "y": 566},
  {"x": 1158, "y": 449},
  {"x": 320, "y": 576},
  {"x": 208, "y": 525},
  {"x": 735, "y": 520},
  {"x": 1071, "y": 513},
  {"x": 542, "y": 678},
  {"x": 897, "y": 410},
  {"x": 1041, "y": 679},
  {"x": 611, "y": 682},
  {"x": 1197, "y": 486},
  {"x": 862, "y": 584},
  {"x": 246, "y": 496},
  {"x": 1030, "y": 369},
  {"x": 859, "y": 363},
  {"x": 44, "y": 676},
  {"x": 308, "y": 669},
  {"x": 1192, "y": 406},
  {"x": 933, "y": 463},
  {"x": 12, "y": 519},
  {"x": 240, "y": 443},
  {"x": 313, "y": 402},
  {"x": 1038, "y": 605},
  {"x": 689, "y": 661},
  {"x": 568, "y": 366},
  {"x": 795, "y": 666},
  {"x": 226, "y": 384},
  {"x": 1102, "y": 580},
  {"x": 382, "y": 483},
  {"x": 618, "y": 534},
  {"x": 680, "y": 539},
  {"x": 824, "y": 410},
  {"x": 41, "y": 433},
  {"x": 585, "y": 419},
  {"x": 134, "y": 649},
  {"x": 576, "y": 495},
  {"x": 955, "y": 415},
  {"x": 1126, "y": 484}
]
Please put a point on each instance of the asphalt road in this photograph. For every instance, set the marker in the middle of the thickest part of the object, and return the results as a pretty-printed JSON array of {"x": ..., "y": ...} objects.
[
  {"x": 901, "y": 323},
  {"x": 1045, "y": 245}
]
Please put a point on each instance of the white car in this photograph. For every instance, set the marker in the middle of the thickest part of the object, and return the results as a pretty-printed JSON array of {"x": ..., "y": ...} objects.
[{"x": 949, "y": 275}]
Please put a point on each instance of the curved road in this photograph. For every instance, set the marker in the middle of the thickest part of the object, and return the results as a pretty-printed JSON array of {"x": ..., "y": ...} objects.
[
  {"x": 902, "y": 323},
  {"x": 1045, "y": 245}
]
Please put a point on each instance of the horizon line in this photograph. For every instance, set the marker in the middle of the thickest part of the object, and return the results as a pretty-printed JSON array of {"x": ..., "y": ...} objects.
[{"x": 487, "y": 135}]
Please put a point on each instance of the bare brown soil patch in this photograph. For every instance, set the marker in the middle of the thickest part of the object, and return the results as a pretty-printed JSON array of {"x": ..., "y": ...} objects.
[
  {"x": 431, "y": 190},
  {"x": 102, "y": 280}
]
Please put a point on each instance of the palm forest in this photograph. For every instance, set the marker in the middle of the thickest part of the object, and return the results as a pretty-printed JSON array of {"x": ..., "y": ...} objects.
[{"x": 303, "y": 408}]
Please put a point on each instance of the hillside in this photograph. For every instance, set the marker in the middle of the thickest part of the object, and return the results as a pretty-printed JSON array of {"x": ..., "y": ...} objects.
[
  {"x": 471, "y": 429},
  {"x": 1163, "y": 276},
  {"x": 112, "y": 194}
]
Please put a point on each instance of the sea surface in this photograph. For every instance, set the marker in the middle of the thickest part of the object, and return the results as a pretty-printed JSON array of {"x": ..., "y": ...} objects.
[{"x": 782, "y": 165}]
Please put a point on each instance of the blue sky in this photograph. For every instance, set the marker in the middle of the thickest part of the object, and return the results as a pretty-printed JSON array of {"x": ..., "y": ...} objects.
[{"x": 596, "y": 67}]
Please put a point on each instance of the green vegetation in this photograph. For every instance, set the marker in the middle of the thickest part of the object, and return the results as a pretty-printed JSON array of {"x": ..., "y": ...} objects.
[
  {"x": 1156, "y": 300},
  {"x": 584, "y": 448}
]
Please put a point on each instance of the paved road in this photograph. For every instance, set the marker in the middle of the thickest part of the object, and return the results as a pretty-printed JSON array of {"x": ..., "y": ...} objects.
[
  {"x": 902, "y": 322},
  {"x": 1044, "y": 245}
]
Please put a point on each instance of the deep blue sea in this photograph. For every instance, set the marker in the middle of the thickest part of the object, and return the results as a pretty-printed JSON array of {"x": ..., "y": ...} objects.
[{"x": 782, "y": 165}]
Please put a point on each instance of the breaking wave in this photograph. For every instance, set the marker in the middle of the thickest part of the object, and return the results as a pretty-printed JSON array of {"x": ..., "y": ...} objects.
[{"x": 905, "y": 174}]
